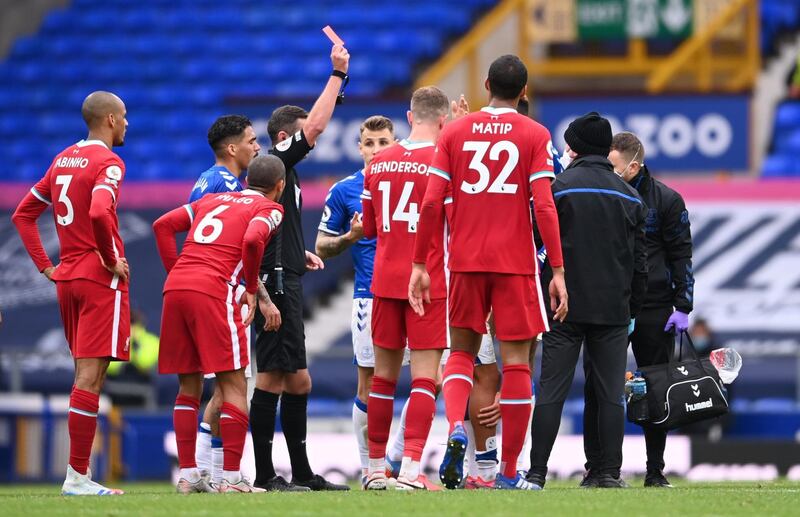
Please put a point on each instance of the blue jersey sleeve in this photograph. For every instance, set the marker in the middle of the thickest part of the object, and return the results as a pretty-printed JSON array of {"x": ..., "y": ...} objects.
[{"x": 335, "y": 217}]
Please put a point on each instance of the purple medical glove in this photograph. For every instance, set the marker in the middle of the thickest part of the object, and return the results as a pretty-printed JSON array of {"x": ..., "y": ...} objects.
[{"x": 678, "y": 322}]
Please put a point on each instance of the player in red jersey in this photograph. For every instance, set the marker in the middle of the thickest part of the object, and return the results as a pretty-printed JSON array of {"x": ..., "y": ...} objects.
[
  {"x": 494, "y": 160},
  {"x": 201, "y": 324},
  {"x": 394, "y": 186},
  {"x": 92, "y": 275}
]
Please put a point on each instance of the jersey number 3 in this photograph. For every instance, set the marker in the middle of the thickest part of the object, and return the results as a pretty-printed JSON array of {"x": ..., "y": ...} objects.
[
  {"x": 66, "y": 219},
  {"x": 499, "y": 185}
]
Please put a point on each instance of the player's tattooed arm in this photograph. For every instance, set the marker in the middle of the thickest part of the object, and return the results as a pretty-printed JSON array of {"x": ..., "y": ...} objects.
[
  {"x": 262, "y": 293},
  {"x": 328, "y": 246},
  {"x": 272, "y": 316}
]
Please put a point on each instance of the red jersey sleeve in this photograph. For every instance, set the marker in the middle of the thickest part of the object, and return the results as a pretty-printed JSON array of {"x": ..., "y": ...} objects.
[
  {"x": 104, "y": 205},
  {"x": 167, "y": 226},
  {"x": 541, "y": 174},
  {"x": 541, "y": 160},
  {"x": 25, "y": 216},
  {"x": 367, "y": 210},
  {"x": 261, "y": 228},
  {"x": 433, "y": 202},
  {"x": 109, "y": 177}
]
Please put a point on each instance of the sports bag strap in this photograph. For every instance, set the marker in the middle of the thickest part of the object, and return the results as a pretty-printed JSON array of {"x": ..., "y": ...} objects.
[{"x": 690, "y": 348}]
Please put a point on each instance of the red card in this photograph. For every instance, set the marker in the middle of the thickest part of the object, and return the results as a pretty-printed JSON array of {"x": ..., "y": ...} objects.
[{"x": 335, "y": 39}]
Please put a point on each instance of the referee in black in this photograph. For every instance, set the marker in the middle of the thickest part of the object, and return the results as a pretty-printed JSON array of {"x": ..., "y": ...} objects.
[
  {"x": 281, "y": 355},
  {"x": 602, "y": 223},
  {"x": 670, "y": 292}
]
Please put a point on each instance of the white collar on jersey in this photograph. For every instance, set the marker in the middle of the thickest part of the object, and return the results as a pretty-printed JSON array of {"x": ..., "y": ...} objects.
[
  {"x": 412, "y": 146},
  {"x": 84, "y": 143},
  {"x": 498, "y": 111},
  {"x": 251, "y": 192}
]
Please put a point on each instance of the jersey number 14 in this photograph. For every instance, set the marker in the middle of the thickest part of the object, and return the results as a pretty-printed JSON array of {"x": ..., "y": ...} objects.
[{"x": 404, "y": 212}]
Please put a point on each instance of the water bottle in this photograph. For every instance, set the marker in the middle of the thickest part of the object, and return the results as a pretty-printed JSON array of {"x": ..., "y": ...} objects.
[
  {"x": 636, "y": 394},
  {"x": 728, "y": 362}
]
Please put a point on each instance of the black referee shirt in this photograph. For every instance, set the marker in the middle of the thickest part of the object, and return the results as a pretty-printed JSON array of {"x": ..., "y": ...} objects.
[{"x": 290, "y": 234}]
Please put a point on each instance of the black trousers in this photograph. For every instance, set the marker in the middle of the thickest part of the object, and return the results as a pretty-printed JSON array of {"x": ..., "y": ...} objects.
[
  {"x": 651, "y": 345},
  {"x": 607, "y": 348}
]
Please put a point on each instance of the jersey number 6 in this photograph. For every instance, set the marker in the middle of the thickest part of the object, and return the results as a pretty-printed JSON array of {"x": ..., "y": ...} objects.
[{"x": 205, "y": 222}]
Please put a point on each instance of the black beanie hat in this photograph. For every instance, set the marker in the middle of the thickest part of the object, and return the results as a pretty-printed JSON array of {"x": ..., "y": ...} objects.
[{"x": 589, "y": 134}]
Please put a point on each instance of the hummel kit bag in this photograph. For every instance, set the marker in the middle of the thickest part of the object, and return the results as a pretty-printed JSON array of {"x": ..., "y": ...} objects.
[{"x": 683, "y": 391}]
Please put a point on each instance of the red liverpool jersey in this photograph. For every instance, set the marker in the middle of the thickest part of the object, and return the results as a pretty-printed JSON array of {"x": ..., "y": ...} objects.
[
  {"x": 225, "y": 243},
  {"x": 83, "y": 185},
  {"x": 394, "y": 186},
  {"x": 491, "y": 162}
]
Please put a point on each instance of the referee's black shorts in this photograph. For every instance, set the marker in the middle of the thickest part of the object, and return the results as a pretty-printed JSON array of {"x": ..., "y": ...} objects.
[{"x": 283, "y": 350}]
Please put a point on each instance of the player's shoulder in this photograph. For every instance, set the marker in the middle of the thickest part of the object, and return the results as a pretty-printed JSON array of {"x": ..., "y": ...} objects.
[
  {"x": 353, "y": 182},
  {"x": 390, "y": 153}
]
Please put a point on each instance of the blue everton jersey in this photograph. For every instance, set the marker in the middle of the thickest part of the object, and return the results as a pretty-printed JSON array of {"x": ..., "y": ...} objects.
[
  {"x": 214, "y": 180},
  {"x": 344, "y": 199}
]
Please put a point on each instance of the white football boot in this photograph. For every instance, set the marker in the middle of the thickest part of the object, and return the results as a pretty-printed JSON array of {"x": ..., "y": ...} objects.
[{"x": 82, "y": 484}]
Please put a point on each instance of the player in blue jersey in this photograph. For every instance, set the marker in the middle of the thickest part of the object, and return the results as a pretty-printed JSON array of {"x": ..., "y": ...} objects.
[
  {"x": 340, "y": 229},
  {"x": 234, "y": 143}
]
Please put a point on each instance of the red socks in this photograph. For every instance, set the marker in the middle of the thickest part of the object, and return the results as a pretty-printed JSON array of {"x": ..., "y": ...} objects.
[
  {"x": 379, "y": 415},
  {"x": 457, "y": 385},
  {"x": 82, "y": 423},
  {"x": 419, "y": 416},
  {"x": 184, "y": 420},
  {"x": 233, "y": 425},
  {"x": 515, "y": 411}
]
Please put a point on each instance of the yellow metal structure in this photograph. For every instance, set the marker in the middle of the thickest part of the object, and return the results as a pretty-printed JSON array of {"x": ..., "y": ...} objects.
[{"x": 723, "y": 54}]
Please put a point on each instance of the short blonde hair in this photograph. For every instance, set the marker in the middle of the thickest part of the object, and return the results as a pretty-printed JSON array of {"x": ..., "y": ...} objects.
[{"x": 429, "y": 103}]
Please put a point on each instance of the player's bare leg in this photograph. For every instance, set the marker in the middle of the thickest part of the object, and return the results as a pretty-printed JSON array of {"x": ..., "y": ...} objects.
[
  {"x": 482, "y": 400},
  {"x": 419, "y": 417},
  {"x": 456, "y": 387},
  {"x": 209, "y": 442},
  {"x": 381, "y": 409},
  {"x": 82, "y": 423},
  {"x": 365, "y": 375},
  {"x": 515, "y": 410},
  {"x": 184, "y": 421}
]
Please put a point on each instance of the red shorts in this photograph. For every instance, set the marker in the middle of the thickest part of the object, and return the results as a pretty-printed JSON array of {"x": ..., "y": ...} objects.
[
  {"x": 200, "y": 333},
  {"x": 515, "y": 300},
  {"x": 394, "y": 323},
  {"x": 97, "y": 319}
]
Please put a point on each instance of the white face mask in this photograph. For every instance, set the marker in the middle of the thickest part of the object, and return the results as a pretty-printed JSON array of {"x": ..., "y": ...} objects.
[{"x": 565, "y": 159}]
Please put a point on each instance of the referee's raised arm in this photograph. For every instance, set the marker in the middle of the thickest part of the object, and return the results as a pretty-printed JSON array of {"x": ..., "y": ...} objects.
[{"x": 321, "y": 112}]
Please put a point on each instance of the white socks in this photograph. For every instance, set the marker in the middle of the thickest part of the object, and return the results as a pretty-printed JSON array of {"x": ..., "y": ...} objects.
[
  {"x": 192, "y": 475},
  {"x": 360, "y": 430},
  {"x": 395, "y": 452},
  {"x": 409, "y": 469},
  {"x": 232, "y": 476},
  {"x": 216, "y": 464},
  {"x": 376, "y": 465},
  {"x": 202, "y": 453}
]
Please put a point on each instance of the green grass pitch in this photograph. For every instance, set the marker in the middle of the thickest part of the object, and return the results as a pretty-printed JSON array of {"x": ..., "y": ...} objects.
[{"x": 560, "y": 498}]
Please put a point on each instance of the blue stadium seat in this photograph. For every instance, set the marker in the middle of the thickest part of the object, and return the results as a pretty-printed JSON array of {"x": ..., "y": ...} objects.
[
  {"x": 175, "y": 62},
  {"x": 788, "y": 141},
  {"x": 787, "y": 116},
  {"x": 779, "y": 165}
]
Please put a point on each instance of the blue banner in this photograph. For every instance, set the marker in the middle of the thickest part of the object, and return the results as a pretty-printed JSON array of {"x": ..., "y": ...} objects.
[
  {"x": 680, "y": 134},
  {"x": 336, "y": 150}
]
